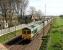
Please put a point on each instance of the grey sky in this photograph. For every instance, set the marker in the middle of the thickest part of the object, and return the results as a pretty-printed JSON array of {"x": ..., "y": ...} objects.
[{"x": 53, "y": 7}]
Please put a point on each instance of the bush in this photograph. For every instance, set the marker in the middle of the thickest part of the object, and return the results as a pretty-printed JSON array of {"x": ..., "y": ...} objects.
[
  {"x": 57, "y": 46},
  {"x": 44, "y": 43}
]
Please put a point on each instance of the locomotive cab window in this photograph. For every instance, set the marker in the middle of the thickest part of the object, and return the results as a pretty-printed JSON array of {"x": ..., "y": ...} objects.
[{"x": 26, "y": 31}]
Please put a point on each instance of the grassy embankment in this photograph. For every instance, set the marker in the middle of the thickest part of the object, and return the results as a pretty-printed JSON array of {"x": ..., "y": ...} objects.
[
  {"x": 55, "y": 40},
  {"x": 56, "y": 35},
  {"x": 5, "y": 38}
]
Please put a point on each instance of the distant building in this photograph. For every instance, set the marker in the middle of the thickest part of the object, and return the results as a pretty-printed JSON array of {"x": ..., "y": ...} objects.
[
  {"x": 9, "y": 22},
  {"x": 3, "y": 23},
  {"x": 29, "y": 18},
  {"x": 12, "y": 18}
]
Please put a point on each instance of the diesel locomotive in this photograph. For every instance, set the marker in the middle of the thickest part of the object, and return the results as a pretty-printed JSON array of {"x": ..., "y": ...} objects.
[{"x": 30, "y": 31}]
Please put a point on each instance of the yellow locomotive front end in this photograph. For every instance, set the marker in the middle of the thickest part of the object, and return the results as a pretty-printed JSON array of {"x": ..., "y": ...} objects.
[{"x": 26, "y": 34}]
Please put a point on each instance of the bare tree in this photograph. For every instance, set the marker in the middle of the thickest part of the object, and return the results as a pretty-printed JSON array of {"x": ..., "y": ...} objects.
[
  {"x": 11, "y": 7},
  {"x": 32, "y": 10},
  {"x": 39, "y": 14},
  {"x": 21, "y": 6},
  {"x": 4, "y": 7}
]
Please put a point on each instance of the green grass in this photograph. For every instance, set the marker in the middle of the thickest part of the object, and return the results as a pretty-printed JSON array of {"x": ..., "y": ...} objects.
[
  {"x": 5, "y": 38},
  {"x": 56, "y": 35}
]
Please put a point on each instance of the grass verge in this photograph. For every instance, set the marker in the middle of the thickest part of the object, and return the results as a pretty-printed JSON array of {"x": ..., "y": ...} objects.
[
  {"x": 7, "y": 37},
  {"x": 56, "y": 35}
]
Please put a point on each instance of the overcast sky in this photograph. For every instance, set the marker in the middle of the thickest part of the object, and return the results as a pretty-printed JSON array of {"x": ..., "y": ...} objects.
[{"x": 53, "y": 7}]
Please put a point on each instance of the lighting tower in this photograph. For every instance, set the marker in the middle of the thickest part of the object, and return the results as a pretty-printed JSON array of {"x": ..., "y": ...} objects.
[{"x": 44, "y": 19}]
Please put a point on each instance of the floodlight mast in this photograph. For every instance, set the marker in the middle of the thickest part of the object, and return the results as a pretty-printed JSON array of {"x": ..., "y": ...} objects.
[{"x": 44, "y": 19}]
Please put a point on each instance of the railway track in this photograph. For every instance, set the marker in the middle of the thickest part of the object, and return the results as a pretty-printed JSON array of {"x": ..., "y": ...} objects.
[
  {"x": 18, "y": 41},
  {"x": 11, "y": 45},
  {"x": 18, "y": 44},
  {"x": 21, "y": 45}
]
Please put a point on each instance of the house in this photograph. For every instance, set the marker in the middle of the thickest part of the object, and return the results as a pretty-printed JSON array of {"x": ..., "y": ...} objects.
[
  {"x": 29, "y": 18},
  {"x": 3, "y": 23},
  {"x": 12, "y": 18}
]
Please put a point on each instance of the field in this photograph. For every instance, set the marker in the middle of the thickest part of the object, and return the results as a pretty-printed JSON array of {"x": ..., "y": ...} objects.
[
  {"x": 56, "y": 35},
  {"x": 5, "y": 38}
]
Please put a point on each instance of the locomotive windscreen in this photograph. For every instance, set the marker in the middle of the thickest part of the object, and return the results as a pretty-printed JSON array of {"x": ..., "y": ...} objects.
[{"x": 26, "y": 31}]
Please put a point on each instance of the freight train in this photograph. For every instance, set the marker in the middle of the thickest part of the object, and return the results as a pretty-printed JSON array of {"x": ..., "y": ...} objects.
[{"x": 30, "y": 31}]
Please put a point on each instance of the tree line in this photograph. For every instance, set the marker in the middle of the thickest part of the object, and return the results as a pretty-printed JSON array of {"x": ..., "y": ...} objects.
[{"x": 11, "y": 8}]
